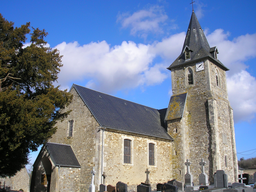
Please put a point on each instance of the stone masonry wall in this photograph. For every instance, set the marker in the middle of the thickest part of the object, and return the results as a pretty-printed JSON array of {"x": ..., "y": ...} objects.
[
  {"x": 200, "y": 139},
  {"x": 133, "y": 174},
  {"x": 227, "y": 159},
  {"x": 84, "y": 140},
  {"x": 69, "y": 179}
]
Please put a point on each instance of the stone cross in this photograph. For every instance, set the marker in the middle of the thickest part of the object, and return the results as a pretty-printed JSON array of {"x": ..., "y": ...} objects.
[
  {"x": 202, "y": 164},
  {"x": 147, "y": 180},
  {"x": 203, "y": 178},
  {"x": 241, "y": 178},
  {"x": 187, "y": 163},
  {"x": 192, "y": 2},
  {"x": 92, "y": 186},
  {"x": 188, "y": 176}
]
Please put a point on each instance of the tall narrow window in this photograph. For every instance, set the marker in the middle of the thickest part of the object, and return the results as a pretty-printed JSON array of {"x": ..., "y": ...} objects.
[
  {"x": 190, "y": 76},
  {"x": 70, "y": 128},
  {"x": 217, "y": 78},
  {"x": 127, "y": 151},
  {"x": 151, "y": 154},
  {"x": 226, "y": 161}
]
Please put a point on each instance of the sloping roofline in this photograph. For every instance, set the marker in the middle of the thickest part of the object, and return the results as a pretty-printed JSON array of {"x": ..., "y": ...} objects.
[{"x": 117, "y": 114}]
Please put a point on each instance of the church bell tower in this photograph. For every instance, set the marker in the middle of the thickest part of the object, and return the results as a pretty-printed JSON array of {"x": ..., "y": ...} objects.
[{"x": 199, "y": 116}]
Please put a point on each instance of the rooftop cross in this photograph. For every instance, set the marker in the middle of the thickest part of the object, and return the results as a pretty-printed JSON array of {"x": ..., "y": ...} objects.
[{"x": 192, "y": 2}]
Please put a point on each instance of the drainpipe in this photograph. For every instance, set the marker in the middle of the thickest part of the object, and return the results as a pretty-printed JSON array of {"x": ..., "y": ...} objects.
[{"x": 102, "y": 154}]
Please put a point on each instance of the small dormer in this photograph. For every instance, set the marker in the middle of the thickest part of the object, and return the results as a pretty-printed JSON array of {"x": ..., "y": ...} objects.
[
  {"x": 214, "y": 51},
  {"x": 187, "y": 53}
]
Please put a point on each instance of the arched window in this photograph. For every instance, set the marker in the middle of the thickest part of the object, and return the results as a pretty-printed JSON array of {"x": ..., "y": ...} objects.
[
  {"x": 127, "y": 151},
  {"x": 190, "y": 76}
]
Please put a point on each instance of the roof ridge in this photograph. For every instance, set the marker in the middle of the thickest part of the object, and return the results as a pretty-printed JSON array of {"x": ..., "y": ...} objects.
[{"x": 114, "y": 96}]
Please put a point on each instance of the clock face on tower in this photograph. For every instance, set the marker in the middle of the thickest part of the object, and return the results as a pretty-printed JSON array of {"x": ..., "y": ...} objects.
[{"x": 200, "y": 66}]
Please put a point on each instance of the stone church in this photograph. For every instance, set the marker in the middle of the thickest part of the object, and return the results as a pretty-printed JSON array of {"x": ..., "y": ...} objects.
[{"x": 120, "y": 140}]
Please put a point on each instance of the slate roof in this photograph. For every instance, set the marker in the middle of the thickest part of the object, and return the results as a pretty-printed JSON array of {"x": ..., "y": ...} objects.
[
  {"x": 62, "y": 155},
  {"x": 176, "y": 106},
  {"x": 122, "y": 115},
  {"x": 198, "y": 45}
]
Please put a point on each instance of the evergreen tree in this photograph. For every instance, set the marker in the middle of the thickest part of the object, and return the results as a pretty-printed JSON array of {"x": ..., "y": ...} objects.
[{"x": 30, "y": 104}]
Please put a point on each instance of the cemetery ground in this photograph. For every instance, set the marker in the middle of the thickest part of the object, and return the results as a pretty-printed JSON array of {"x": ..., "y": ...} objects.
[{"x": 220, "y": 183}]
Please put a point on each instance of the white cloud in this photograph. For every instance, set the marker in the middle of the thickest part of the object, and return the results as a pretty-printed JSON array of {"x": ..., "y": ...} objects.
[
  {"x": 241, "y": 85},
  {"x": 154, "y": 75},
  {"x": 242, "y": 91},
  {"x": 144, "y": 21},
  {"x": 121, "y": 67},
  {"x": 169, "y": 48}
]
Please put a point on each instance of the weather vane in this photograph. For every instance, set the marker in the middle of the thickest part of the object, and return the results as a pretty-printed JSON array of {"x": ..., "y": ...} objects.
[{"x": 192, "y": 2}]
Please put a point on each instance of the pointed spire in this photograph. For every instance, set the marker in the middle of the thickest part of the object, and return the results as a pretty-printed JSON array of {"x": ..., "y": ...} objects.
[
  {"x": 196, "y": 46},
  {"x": 195, "y": 38}
]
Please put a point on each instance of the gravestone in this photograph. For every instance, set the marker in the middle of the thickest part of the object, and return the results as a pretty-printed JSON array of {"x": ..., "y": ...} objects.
[
  {"x": 188, "y": 176},
  {"x": 143, "y": 188},
  {"x": 235, "y": 185},
  {"x": 177, "y": 184},
  {"x": 189, "y": 188},
  {"x": 102, "y": 188},
  {"x": 92, "y": 186},
  {"x": 169, "y": 188},
  {"x": 254, "y": 177},
  {"x": 111, "y": 188},
  {"x": 203, "y": 178},
  {"x": 121, "y": 187},
  {"x": 251, "y": 179},
  {"x": 230, "y": 190},
  {"x": 220, "y": 179},
  {"x": 159, "y": 186},
  {"x": 244, "y": 189},
  {"x": 203, "y": 187}
]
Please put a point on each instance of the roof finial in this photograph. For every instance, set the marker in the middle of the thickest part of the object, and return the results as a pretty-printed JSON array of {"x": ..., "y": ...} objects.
[{"x": 192, "y": 2}]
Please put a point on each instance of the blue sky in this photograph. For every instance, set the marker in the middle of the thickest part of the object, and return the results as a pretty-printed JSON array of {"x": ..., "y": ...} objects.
[{"x": 124, "y": 47}]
